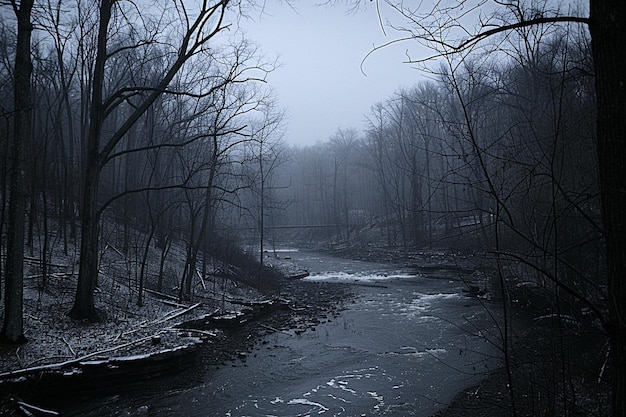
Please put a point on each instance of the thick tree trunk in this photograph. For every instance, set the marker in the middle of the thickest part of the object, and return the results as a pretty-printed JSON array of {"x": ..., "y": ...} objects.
[
  {"x": 608, "y": 24},
  {"x": 84, "y": 307},
  {"x": 97, "y": 155},
  {"x": 13, "y": 326}
]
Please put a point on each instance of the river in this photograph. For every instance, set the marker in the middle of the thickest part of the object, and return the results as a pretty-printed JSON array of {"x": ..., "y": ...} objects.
[{"x": 405, "y": 346}]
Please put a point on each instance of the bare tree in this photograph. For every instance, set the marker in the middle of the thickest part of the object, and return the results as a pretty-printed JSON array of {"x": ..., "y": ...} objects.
[
  {"x": 13, "y": 328},
  {"x": 197, "y": 28},
  {"x": 266, "y": 149},
  {"x": 445, "y": 29},
  {"x": 342, "y": 146}
]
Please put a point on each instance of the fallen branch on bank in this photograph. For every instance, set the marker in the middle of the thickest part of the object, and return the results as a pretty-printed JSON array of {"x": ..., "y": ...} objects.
[
  {"x": 190, "y": 329},
  {"x": 32, "y": 410},
  {"x": 167, "y": 317},
  {"x": 61, "y": 365}
]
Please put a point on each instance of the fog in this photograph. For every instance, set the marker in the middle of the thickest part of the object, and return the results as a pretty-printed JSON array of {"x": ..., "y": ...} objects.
[
  {"x": 327, "y": 79},
  {"x": 159, "y": 138}
]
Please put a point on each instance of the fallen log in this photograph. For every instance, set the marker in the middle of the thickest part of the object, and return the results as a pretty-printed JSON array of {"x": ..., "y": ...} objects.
[
  {"x": 191, "y": 329},
  {"x": 235, "y": 319},
  {"x": 14, "y": 406},
  {"x": 165, "y": 318},
  {"x": 161, "y": 295},
  {"x": 33, "y": 410},
  {"x": 38, "y": 261},
  {"x": 88, "y": 375},
  {"x": 60, "y": 365},
  {"x": 187, "y": 310}
]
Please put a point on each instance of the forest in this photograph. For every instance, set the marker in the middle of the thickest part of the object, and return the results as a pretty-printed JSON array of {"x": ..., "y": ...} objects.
[
  {"x": 143, "y": 128},
  {"x": 493, "y": 156}
]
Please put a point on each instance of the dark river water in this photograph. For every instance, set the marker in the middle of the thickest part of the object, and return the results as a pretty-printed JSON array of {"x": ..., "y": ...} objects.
[{"x": 405, "y": 347}]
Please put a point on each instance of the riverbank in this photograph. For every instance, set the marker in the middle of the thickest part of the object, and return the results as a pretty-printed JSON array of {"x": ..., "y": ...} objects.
[
  {"x": 310, "y": 304},
  {"x": 541, "y": 383},
  {"x": 131, "y": 332},
  {"x": 555, "y": 367},
  {"x": 557, "y": 361}
]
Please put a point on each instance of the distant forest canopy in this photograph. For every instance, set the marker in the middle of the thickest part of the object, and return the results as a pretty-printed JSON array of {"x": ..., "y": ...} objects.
[
  {"x": 491, "y": 142},
  {"x": 495, "y": 152}
]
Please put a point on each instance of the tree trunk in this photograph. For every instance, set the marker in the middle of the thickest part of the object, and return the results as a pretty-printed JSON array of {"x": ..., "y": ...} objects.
[
  {"x": 144, "y": 259},
  {"x": 608, "y": 23},
  {"x": 164, "y": 251},
  {"x": 4, "y": 144},
  {"x": 190, "y": 261},
  {"x": 13, "y": 326},
  {"x": 46, "y": 241},
  {"x": 84, "y": 307}
]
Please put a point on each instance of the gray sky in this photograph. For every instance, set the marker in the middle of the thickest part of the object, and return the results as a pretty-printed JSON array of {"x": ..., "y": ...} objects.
[{"x": 321, "y": 82}]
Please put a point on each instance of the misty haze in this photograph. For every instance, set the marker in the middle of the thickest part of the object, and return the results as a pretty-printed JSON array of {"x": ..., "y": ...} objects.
[{"x": 231, "y": 208}]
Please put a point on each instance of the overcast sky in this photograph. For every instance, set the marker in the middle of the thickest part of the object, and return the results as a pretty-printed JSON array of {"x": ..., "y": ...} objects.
[{"x": 322, "y": 82}]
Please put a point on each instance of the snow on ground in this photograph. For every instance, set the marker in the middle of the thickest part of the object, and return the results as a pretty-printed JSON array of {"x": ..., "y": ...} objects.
[{"x": 54, "y": 338}]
